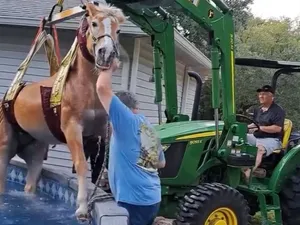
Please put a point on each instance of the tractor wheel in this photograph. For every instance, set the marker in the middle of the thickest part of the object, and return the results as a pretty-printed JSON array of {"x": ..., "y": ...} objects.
[
  {"x": 290, "y": 199},
  {"x": 213, "y": 204}
]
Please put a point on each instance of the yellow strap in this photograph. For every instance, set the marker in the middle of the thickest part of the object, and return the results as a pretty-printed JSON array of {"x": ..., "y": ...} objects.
[
  {"x": 62, "y": 74},
  {"x": 51, "y": 55},
  {"x": 42, "y": 37}
]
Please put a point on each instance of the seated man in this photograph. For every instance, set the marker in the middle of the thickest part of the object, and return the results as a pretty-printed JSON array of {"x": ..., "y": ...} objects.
[{"x": 270, "y": 119}]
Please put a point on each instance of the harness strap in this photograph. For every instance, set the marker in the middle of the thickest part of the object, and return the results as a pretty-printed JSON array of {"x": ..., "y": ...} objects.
[
  {"x": 53, "y": 59},
  {"x": 81, "y": 36},
  {"x": 8, "y": 108},
  {"x": 56, "y": 43},
  {"x": 62, "y": 74},
  {"x": 51, "y": 55},
  {"x": 52, "y": 114},
  {"x": 12, "y": 91}
]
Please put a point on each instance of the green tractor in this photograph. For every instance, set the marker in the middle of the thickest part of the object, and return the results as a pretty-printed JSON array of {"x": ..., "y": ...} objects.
[{"x": 201, "y": 183}]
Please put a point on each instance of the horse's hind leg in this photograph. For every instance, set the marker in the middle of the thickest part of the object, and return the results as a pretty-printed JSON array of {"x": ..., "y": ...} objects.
[
  {"x": 8, "y": 148},
  {"x": 33, "y": 155}
]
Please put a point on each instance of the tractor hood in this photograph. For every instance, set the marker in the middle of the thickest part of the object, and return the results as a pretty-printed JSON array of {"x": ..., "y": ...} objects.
[{"x": 169, "y": 132}]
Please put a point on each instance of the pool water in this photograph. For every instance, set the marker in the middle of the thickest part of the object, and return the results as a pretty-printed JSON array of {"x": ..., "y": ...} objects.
[{"x": 19, "y": 208}]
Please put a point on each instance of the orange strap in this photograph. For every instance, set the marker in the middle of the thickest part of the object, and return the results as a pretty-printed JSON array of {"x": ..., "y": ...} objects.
[
  {"x": 55, "y": 36},
  {"x": 56, "y": 43},
  {"x": 39, "y": 31}
]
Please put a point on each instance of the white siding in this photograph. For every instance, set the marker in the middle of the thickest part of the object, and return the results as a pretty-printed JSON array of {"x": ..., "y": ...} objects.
[
  {"x": 145, "y": 89},
  {"x": 190, "y": 96},
  {"x": 13, "y": 51}
]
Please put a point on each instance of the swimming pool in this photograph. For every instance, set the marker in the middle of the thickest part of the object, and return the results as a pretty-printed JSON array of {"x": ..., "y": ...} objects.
[
  {"x": 54, "y": 204},
  {"x": 17, "y": 208}
]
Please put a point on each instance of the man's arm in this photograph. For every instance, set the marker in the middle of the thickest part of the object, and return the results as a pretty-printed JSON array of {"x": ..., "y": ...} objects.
[
  {"x": 271, "y": 129},
  {"x": 278, "y": 122},
  {"x": 117, "y": 111}
]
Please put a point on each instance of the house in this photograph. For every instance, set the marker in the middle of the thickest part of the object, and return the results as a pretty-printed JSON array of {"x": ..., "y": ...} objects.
[{"x": 18, "y": 24}]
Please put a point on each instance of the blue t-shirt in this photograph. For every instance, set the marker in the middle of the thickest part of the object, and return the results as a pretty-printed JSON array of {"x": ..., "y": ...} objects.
[{"x": 134, "y": 151}]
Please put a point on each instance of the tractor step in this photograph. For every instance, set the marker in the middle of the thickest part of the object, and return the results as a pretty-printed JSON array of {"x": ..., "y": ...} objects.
[
  {"x": 262, "y": 191},
  {"x": 255, "y": 188},
  {"x": 272, "y": 207},
  {"x": 264, "y": 208}
]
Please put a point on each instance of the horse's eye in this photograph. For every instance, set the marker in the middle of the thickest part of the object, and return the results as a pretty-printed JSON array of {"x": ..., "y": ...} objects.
[
  {"x": 118, "y": 31},
  {"x": 94, "y": 24}
]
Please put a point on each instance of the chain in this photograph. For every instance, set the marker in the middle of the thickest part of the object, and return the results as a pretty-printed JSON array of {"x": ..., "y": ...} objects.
[
  {"x": 99, "y": 149},
  {"x": 94, "y": 197}
]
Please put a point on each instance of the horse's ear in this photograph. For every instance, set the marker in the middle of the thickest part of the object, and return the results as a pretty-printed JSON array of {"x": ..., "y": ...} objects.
[
  {"x": 118, "y": 13},
  {"x": 91, "y": 9}
]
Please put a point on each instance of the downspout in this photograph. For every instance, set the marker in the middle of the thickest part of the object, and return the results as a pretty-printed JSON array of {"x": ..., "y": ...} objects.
[
  {"x": 125, "y": 74},
  {"x": 184, "y": 90},
  {"x": 196, "y": 105},
  {"x": 134, "y": 65}
]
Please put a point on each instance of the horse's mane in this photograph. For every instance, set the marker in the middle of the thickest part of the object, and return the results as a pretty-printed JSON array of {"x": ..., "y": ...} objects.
[{"x": 108, "y": 10}]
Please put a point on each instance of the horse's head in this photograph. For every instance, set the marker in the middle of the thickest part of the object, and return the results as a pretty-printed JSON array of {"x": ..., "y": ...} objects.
[{"x": 104, "y": 28}]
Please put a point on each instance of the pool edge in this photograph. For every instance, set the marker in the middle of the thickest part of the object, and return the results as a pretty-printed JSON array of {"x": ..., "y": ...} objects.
[{"x": 104, "y": 213}]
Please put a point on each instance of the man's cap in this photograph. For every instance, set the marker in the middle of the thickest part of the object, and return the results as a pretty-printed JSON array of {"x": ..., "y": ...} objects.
[{"x": 265, "y": 88}]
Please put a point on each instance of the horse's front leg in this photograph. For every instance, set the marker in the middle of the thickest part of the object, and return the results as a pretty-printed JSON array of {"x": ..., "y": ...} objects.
[{"x": 73, "y": 132}]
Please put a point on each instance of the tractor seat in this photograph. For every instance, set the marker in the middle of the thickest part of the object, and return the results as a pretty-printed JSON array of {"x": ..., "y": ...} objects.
[{"x": 286, "y": 136}]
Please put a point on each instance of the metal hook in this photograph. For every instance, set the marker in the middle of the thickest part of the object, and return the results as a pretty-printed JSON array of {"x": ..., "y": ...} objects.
[{"x": 52, "y": 10}]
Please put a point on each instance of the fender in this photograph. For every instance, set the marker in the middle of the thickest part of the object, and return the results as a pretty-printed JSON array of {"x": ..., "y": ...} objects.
[{"x": 284, "y": 168}]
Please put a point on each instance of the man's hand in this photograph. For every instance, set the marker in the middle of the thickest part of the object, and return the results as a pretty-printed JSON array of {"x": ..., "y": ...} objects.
[
  {"x": 251, "y": 126},
  {"x": 252, "y": 130}
]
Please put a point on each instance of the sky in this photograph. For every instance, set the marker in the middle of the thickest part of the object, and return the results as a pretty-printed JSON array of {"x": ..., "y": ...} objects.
[{"x": 276, "y": 8}]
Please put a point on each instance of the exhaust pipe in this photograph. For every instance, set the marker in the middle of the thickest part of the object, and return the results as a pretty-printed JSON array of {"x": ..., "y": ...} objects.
[{"x": 196, "y": 105}]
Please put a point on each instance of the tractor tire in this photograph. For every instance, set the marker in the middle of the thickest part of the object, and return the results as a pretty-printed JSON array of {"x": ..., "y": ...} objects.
[
  {"x": 290, "y": 199},
  {"x": 212, "y": 204}
]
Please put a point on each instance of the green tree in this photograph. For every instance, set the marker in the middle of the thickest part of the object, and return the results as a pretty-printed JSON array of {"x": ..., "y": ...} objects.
[
  {"x": 199, "y": 36},
  {"x": 269, "y": 39}
]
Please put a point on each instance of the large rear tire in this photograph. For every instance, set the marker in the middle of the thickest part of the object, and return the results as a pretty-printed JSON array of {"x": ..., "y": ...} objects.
[
  {"x": 213, "y": 204},
  {"x": 290, "y": 199}
]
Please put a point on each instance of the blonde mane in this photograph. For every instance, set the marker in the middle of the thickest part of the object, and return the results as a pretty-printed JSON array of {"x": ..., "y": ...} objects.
[{"x": 106, "y": 10}]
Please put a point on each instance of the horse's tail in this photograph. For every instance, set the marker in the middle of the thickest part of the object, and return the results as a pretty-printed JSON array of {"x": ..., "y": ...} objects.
[{"x": 2, "y": 118}]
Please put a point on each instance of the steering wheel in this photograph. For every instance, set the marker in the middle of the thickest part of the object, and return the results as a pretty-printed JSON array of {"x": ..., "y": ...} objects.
[{"x": 248, "y": 118}]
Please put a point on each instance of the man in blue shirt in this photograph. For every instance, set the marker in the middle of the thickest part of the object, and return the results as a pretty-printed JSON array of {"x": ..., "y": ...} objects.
[{"x": 135, "y": 154}]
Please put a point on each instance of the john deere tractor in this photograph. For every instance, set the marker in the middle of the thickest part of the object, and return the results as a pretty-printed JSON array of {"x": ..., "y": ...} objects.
[{"x": 202, "y": 183}]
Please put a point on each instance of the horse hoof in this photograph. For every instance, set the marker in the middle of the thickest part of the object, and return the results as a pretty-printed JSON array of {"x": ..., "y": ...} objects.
[
  {"x": 83, "y": 218},
  {"x": 82, "y": 214},
  {"x": 29, "y": 189}
]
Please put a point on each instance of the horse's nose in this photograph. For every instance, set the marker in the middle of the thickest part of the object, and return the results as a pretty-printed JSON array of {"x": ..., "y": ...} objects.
[{"x": 101, "y": 51}]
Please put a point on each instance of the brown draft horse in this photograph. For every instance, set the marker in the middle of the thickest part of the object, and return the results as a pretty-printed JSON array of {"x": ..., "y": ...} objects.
[{"x": 81, "y": 112}]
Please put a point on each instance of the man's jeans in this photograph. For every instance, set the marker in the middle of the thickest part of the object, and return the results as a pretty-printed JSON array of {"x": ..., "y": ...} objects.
[{"x": 141, "y": 215}]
